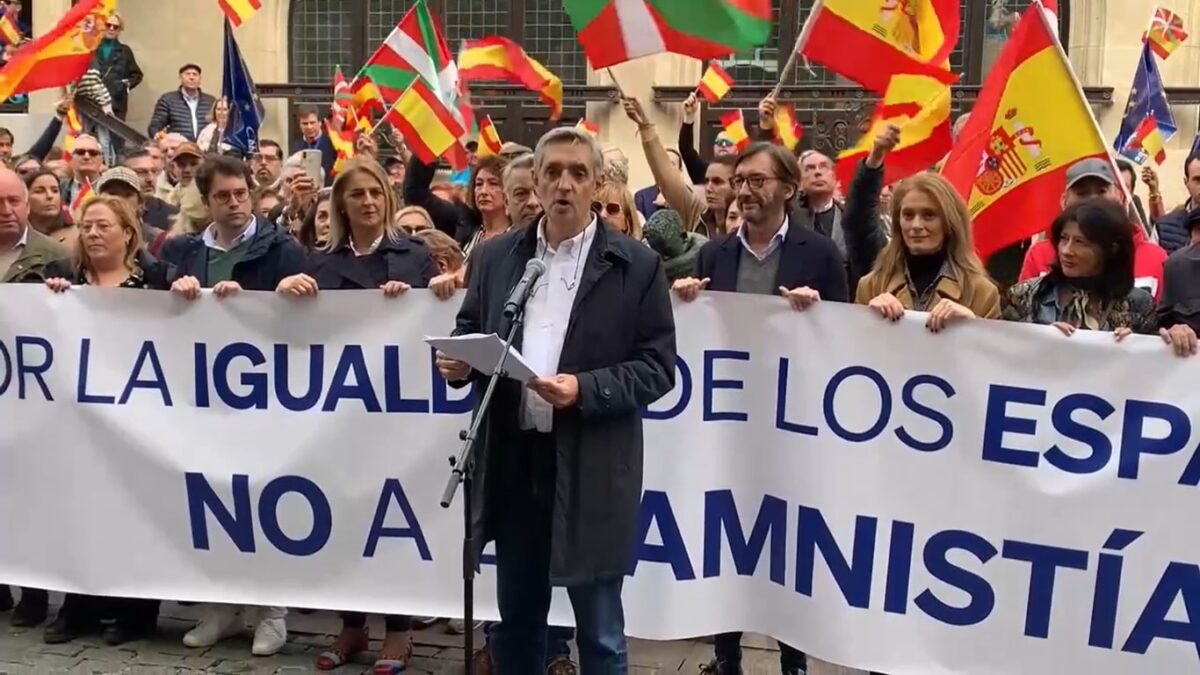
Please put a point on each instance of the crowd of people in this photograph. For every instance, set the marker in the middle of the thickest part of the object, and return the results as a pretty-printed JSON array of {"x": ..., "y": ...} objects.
[{"x": 184, "y": 213}]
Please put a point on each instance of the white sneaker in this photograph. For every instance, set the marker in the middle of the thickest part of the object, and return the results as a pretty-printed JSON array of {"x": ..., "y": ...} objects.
[
  {"x": 218, "y": 623},
  {"x": 269, "y": 637}
]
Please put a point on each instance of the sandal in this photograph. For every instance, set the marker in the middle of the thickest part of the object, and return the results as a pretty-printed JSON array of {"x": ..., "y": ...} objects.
[
  {"x": 349, "y": 643},
  {"x": 393, "y": 658}
]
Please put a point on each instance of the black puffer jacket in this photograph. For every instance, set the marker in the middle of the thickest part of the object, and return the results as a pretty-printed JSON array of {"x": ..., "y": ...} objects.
[
  {"x": 1174, "y": 232},
  {"x": 173, "y": 114}
]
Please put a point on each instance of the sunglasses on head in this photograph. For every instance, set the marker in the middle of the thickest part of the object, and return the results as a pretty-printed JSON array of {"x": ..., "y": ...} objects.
[{"x": 611, "y": 208}]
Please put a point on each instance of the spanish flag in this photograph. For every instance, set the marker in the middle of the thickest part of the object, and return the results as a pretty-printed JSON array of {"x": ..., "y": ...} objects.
[
  {"x": 366, "y": 97},
  {"x": 9, "y": 31},
  {"x": 1147, "y": 143},
  {"x": 489, "y": 138},
  {"x": 1166, "y": 32},
  {"x": 61, "y": 56},
  {"x": 498, "y": 58},
  {"x": 715, "y": 84},
  {"x": 1029, "y": 125},
  {"x": 85, "y": 195},
  {"x": 869, "y": 42},
  {"x": 342, "y": 140},
  {"x": 239, "y": 11},
  {"x": 734, "y": 124},
  {"x": 74, "y": 129},
  {"x": 428, "y": 126},
  {"x": 920, "y": 106},
  {"x": 788, "y": 130},
  {"x": 590, "y": 128}
]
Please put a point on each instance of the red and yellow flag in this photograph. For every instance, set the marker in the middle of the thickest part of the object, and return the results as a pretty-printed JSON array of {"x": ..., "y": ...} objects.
[
  {"x": 734, "y": 124},
  {"x": 85, "y": 195},
  {"x": 239, "y": 11},
  {"x": 342, "y": 140},
  {"x": 61, "y": 56},
  {"x": 489, "y": 138},
  {"x": 871, "y": 41},
  {"x": 1149, "y": 139},
  {"x": 74, "y": 129},
  {"x": 920, "y": 106},
  {"x": 1166, "y": 32},
  {"x": 590, "y": 128},
  {"x": 429, "y": 128},
  {"x": 366, "y": 98},
  {"x": 715, "y": 84},
  {"x": 498, "y": 58},
  {"x": 9, "y": 31},
  {"x": 1029, "y": 125},
  {"x": 788, "y": 130}
]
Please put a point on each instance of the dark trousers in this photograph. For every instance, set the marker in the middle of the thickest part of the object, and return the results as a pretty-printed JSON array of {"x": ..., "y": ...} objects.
[
  {"x": 394, "y": 623},
  {"x": 728, "y": 649},
  {"x": 519, "y": 641}
]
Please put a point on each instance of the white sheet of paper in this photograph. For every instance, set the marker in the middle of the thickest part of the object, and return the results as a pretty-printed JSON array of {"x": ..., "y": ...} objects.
[{"x": 483, "y": 352}]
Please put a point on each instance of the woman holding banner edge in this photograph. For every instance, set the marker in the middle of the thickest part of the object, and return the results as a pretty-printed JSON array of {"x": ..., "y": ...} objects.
[{"x": 109, "y": 254}]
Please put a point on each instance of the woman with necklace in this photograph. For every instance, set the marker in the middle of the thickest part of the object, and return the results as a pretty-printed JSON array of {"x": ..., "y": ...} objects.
[
  {"x": 930, "y": 264},
  {"x": 365, "y": 249},
  {"x": 1090, "y": 285},
  {"x": 108, "y": 254}
]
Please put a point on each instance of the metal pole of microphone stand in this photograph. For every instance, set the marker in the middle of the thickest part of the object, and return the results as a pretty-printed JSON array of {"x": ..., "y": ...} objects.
[{"x": 461, "y": 474}]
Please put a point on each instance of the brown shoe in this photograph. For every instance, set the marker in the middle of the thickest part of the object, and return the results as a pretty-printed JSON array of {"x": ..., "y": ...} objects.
[{"x": 563, "y": 665}]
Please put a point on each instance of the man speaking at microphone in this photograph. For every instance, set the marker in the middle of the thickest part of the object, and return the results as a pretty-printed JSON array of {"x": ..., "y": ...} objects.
[{"x": 558, "y": 466}]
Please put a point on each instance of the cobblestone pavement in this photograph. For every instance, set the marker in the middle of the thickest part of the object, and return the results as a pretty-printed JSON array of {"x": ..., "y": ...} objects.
[{"x": 23, "y": 652}]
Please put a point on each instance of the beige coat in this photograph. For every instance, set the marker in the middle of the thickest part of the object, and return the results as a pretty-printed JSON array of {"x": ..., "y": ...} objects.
[{"x": 976, "y": 293}]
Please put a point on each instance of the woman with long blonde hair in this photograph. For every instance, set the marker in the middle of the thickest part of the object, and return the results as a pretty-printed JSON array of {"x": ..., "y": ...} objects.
[
  {"x": 615, "y": 204},
  {"x": 366, "y": 249},
  {"x": 930, "y": 264}
]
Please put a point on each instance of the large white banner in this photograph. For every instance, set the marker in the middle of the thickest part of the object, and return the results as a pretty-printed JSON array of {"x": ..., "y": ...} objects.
[{"x": 994, "y": 499}]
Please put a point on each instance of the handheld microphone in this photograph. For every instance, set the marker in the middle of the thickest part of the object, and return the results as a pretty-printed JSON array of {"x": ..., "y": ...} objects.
[{"x": 520, "y": 294}]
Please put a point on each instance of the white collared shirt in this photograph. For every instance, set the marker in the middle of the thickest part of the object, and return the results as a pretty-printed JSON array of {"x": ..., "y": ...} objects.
[
  {"x": 210, "y": 235},
  {"x": 548, "y": 313},
  {"x": 193, "y": 104},
  {"x": 776, "y": 241}
]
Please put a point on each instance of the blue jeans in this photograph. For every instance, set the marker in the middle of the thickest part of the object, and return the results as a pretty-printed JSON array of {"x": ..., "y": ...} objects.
[
  {"x": 519, "y": 641},
  {"x": 559, "y": 640}
]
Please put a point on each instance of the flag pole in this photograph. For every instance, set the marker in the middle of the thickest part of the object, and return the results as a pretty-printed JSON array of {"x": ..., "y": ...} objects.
[
  {"x": 801, "y": 43},
  {"x": 620, "y": 89}
]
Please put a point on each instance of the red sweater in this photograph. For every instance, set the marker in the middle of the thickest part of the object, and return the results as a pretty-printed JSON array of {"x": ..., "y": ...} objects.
[{"x": 1148, "y": 259}]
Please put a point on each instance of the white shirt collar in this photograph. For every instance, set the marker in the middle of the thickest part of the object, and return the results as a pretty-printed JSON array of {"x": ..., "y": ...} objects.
[
  {"x": 776, "y": 241},
  {"x": 24, "y": 240},
  {"x": 210, "y": 235},
  {"x": 574, "y": 242}
]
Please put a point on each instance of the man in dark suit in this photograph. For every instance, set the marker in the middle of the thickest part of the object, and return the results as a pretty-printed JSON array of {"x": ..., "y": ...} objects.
[
  {"x": 312, "y": 137},
  {"x": 558, "y": 472},
  {"x": 648, "y": 200},
  {"x": 774, "y": 251}
]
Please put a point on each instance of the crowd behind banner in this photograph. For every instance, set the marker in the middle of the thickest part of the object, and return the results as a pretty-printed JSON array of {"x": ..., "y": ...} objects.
[{"x": 186, "y": 214}]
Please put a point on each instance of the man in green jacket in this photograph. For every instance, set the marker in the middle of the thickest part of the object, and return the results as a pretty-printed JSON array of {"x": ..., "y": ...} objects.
[{"x": 25, "y": 253}]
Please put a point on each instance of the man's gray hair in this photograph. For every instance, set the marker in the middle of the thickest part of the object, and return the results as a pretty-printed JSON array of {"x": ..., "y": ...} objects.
[
  {"x": 519, "y": 163},
  {"x": 565, "y": 135}
]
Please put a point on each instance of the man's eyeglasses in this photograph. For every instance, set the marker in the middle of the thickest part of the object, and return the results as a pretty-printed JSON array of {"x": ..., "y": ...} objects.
[
  {"x": 227, "y": 196},
  {"x": 113, "y": 26},
  {"x": 723, "y": 143},
  {"x": 611, "y": 208},
  {"x": 86, "y": 152},
  {"x": 755, "y": 182}
]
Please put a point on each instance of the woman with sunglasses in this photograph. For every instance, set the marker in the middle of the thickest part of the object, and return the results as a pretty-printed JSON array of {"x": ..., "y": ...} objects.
[
  {"x": 615, "y": 205},
  {"x": 366, "y": 249}
]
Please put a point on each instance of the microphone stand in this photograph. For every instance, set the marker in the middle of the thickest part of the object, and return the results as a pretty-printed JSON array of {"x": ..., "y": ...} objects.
[{"x": 461, "y": 474}]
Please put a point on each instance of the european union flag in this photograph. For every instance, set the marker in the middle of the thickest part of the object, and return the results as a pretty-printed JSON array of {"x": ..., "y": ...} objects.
[
  {"x": 1147, "y": 97},
  {"x": 245, "y": 110}
]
